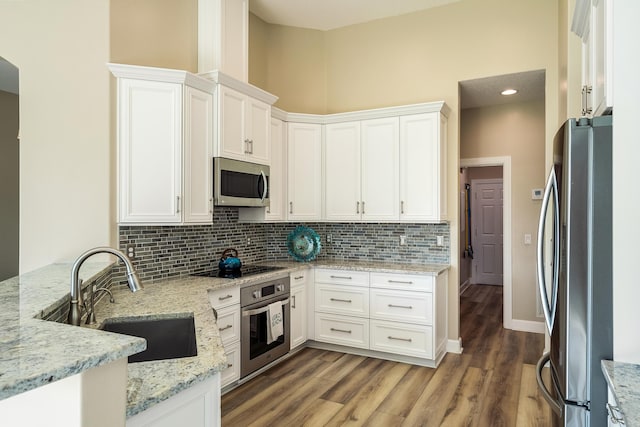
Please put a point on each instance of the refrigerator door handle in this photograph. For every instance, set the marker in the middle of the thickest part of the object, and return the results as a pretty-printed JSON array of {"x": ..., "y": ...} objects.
[
  {"x": 549, "y": 306},
  {"x": 555, "y": 404}
]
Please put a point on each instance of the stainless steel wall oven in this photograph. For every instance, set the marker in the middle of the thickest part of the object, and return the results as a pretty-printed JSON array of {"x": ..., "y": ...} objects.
[{"x": 255, "y": 349}]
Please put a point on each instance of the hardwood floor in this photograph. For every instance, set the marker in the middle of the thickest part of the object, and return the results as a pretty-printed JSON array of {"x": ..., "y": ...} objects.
[{"x": 491, "y": 384}]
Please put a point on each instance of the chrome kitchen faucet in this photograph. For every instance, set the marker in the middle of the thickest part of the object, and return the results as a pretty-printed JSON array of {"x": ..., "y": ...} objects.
[{"x": 76, "y": 284}]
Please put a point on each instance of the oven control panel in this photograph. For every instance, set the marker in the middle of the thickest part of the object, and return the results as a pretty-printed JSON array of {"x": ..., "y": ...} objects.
[{"x": 264, "y": 290}]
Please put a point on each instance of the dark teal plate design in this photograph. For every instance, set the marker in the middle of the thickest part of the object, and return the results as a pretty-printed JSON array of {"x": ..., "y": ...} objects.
[{"x": 303, "y": 244}]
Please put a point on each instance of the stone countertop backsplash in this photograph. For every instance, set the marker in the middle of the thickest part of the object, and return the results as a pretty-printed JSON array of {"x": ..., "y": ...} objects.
[
  {"x": 35, "y": 352},
  {"x": 624, "y": 380}
]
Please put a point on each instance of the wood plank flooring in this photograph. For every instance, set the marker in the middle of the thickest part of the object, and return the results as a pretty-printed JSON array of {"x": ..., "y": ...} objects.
[{"x": 491, "y": 384}]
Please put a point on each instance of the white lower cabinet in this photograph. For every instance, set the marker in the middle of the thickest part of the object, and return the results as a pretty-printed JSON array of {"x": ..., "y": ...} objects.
[
  {"x": 403, "y": 315},
  {"x": 226, "y": 305},
  {"x": 299, "y": 298},
  {"x": 342, "y": 330},
  {"x": 232, "y": 371},
  {"x": 197, "y": 406}
]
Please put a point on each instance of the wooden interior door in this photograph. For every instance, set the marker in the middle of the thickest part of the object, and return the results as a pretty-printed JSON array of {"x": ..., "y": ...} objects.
[{"x": 486, "y": 223}]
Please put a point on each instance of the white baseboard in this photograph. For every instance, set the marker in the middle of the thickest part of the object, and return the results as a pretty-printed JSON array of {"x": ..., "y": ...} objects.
[
  {"x": 526, "y": 326},
  {"x": 454, "y": 346}
]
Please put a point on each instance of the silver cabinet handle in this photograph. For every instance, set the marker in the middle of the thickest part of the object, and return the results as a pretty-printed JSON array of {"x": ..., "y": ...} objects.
[
  {"x": 225, "y": 328},
  {"x": 229, "y": 365},
  {"x": 290, "y": 207},
  {"x": 341, "y": 330},
  {"x": 293, "y": 302},
  {"x": 340, "y": 300},
  {"x": 225, "y": 297},
  {"x": 404, "y": 282},
  {"x": 246, "y": 146},
  {"x": 399, "y": 339},
  {"x": 400, "y": 306},
  {"x": 586, "y": 91},
  {"x": 402, "y": 207},
  {"x": 341, "y": 277},
  {"x": 298, "y": 277},
  {"x": 177, "y": 204},
  {"x": 211, "y": 205},
  {"x": 357, "y": 207},
  {"x": 363, "y": 207}
]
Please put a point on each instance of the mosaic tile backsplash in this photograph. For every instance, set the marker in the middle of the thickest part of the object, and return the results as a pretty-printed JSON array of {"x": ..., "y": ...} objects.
[{"x": 171, "y": 251}]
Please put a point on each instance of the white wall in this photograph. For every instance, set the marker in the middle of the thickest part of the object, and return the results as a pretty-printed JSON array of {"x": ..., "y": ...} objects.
[
  {"x": 626, "y": 196},
  {"x": 61, "y": 48}
]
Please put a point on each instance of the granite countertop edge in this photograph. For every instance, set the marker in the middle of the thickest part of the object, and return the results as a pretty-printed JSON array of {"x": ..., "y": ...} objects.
[{"x": 624, "y": 381}]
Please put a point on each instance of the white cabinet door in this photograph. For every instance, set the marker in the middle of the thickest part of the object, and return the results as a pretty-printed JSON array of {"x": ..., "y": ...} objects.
[
  {"x": 304, "y": 171},
  {"x": 278, "y": 175},
  {"x": 380, "y": 175},
  {"x": 298, "y": 315},
  {"x": 149, "y": 151},
  {"x": 231, "y": 125},
  {"x": 258, "y": 131},
  {"x": 342, "y": 171},
  {"x": 198, "y": 151},
  {"x": 420, "y": 172}
]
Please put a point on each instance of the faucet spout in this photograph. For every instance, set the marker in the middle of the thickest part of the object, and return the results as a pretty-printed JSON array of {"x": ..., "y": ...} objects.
[{"x": 76, "y": 291}]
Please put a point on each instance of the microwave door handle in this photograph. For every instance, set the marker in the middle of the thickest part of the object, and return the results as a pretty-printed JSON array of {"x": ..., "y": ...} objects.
[
  {"x": 547, "y": 306},
  {"x": 554, "y": 403},
  {"x": 266, "y": 186}
]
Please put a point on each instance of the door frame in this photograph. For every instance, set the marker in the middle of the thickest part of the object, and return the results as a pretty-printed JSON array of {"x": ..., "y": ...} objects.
[
  {"x": 505, "y": 162},
  {"x": 474, "y": 218}
]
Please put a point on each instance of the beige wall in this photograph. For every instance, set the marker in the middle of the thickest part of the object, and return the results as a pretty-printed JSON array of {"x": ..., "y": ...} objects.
[
  {"x": 421, "y": 57},
  {"x": 61, "y": 48},
  {"x": 9, "y": 193},
  {"x": 155, "y": 33},
  {"x": 515, "y": 130}
]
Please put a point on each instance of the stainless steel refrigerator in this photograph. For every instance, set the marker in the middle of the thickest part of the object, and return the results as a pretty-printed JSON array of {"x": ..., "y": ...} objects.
[{"x": 575, "y": 272}]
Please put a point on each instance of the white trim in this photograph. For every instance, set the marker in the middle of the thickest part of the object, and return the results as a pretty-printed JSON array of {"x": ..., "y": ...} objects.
[
  {"x": 505, "y": 162},
  {"x": 165, "y": 75},
  {"x": 454, "y": 346},
  {"x": 527, "y": 326},
  {"x": 245, "y": 88}
]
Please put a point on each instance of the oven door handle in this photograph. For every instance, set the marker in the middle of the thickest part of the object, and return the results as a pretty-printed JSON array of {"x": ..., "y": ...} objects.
[{"x": 247, "y": 313}]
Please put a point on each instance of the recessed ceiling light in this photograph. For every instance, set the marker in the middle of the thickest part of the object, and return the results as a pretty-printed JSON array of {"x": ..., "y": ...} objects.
[{"x": 509, "y": 92}]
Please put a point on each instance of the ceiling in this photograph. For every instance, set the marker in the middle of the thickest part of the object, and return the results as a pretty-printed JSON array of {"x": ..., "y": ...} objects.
[
  {"x": 486, "y": 91},
  {"x": 8, "y": 77},
  {"x": 330, "y": 14}
]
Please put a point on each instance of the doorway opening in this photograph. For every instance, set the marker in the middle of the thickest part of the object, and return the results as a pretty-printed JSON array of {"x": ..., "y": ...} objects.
[{"x": 9, "y": 171}]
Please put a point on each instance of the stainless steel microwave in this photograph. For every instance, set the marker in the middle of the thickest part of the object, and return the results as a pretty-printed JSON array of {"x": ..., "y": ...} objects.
[{"x": 238, "y": 183}]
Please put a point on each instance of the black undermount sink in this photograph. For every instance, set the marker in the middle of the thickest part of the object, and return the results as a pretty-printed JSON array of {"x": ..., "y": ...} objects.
[{"x": 167, "y": 338}]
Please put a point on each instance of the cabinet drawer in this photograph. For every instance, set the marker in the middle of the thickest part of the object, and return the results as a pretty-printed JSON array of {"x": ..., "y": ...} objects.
[
  {"x": 298, "y": 277},
  {"x": 401, "y": 306},
  {"x": 232, "y": 372},
  {"x": 342, "y": 277},
  {"x": 402, "y": 281},
  {"x": 347, "y": 300},
  {"x": 342, "y": 330},
  {"x": 225, "y": 297},
  {"x": 402, "y": 338},
  {"x": 228, "y": 321}
]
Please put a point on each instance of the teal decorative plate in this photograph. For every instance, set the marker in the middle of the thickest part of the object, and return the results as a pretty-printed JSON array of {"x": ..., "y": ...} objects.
[{"x": 303, "y": 244}]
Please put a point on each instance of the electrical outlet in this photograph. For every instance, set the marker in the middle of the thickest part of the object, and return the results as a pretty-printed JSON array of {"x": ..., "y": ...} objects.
[
  {"x": 131, "y": 251},
  {"x": 403, "y": 240},
  {"x": 329, "y": 238},
  {"x": 439, "y": 240},
  {"x": 248, "y": 241}
]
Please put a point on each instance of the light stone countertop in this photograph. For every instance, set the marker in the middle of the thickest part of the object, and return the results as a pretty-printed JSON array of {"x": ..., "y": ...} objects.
[
  {"x": 34, "y": 352},
  {"x": 69, "y": 350},
  {"x": 624, "y": 381}
]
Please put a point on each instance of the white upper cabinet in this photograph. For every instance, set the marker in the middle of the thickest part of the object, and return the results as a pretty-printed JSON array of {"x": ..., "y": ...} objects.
[
  {"x": 278, "y": 175},
  {"x": 304, "y": 190},
  {"x": 342, "y": 172},
  {"x": 422, "y": 168},
  {"x": 380, "y": 145},
  {"x": 244, "y": 127},
  {"x": 593, "y": 22},
  {"x": 164, "y": 122}
]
